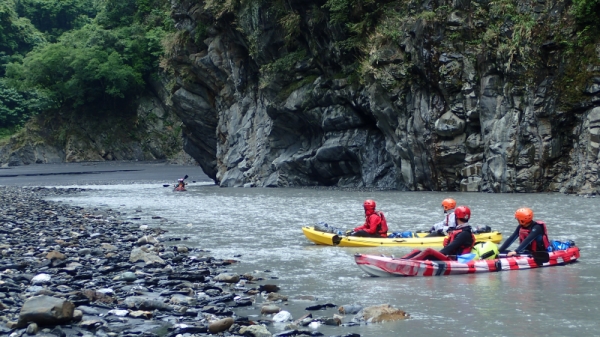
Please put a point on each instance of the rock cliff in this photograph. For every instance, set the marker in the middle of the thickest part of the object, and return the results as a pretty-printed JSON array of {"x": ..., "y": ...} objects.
[{"x": 438, "y": 95}]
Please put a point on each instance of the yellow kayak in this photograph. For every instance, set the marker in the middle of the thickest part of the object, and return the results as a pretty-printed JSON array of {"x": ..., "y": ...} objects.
[{"x": 332, "y": 239}]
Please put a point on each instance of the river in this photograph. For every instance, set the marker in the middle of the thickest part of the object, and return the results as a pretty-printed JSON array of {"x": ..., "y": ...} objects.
[{"x": 261, "y": 228}]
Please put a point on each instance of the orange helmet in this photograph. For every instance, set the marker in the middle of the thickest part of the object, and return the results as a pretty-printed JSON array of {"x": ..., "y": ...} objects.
[
  {"x": 448, "y": 204},
  {"x": 524, "y": 216},
  {"x": 463, "y": 213},
  {"x": 369, "y": 204}
]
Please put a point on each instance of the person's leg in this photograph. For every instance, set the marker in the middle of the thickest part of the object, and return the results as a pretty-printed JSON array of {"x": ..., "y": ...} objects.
[
  {"x": 430, "y": 254},
  {"x": 411, "y": 254},
  {"x": 364, "y": 233}
]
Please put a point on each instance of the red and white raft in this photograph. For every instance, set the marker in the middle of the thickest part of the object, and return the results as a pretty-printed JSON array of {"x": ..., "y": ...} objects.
[{"x": 388, "y": 266}]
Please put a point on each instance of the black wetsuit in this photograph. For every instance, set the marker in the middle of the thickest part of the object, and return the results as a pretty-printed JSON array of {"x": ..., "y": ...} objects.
[
  {"x": 537, "y": 232},
  {"x": 462, "y": 240}
]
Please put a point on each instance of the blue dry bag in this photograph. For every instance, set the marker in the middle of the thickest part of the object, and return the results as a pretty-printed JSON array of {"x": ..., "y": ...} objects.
[
  {"x": 464, "y": 258},
  {"x": 559, "y": 245},
  {"x": 407, "y": 234}
]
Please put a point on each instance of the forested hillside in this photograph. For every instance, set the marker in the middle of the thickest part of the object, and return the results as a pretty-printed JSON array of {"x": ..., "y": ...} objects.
[{"x": 71, "y": 62}]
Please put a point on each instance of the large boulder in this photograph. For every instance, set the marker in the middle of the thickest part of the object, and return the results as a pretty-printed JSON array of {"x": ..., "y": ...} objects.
[
  {"x": 46, "y": 310},
  {"x": 255, "y": 331},
  {"x": 381, "y": 313},
  {"x": 140, "y": 253},
  {"x": 220, "y": 325},
  {"x": 146, "y": 303}
]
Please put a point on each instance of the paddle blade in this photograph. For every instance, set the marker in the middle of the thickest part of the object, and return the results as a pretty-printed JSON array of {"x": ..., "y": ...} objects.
[
  {"x": 186, "y": 176},
  {"x": 166, "y": 185}
]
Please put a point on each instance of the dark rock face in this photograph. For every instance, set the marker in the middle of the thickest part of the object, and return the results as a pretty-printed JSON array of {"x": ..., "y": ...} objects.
[{"x": 429, "y": 112}]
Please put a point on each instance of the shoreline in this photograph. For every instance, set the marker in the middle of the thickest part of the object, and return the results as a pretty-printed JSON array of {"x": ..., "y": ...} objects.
[
  {"x": 108, "y": 276},
  {"x": 97, "y": 173},
  {"x": 117, "y": 275}
]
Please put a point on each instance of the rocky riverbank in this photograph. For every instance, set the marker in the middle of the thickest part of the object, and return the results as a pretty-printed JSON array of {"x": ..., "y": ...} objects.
[{"x": 70, "y": 271}]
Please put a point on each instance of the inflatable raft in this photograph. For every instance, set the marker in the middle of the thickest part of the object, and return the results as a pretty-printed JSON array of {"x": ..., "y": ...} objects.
[{"x": 390, "y": 266}]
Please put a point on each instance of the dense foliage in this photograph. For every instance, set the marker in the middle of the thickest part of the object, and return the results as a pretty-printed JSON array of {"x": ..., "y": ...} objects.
[
  {"x": 76, "y": 55},
  {"x": 587, "y": 11}
]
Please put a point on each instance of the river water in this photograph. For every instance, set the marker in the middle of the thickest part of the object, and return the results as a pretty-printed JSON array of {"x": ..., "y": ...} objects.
[{"x": 262, "y": 229}]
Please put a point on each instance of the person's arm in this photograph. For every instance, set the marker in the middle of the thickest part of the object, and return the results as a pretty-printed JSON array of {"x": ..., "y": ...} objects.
[
  {"x": 510, "y": 240},
  {"x": 371, "y": 224},
  {"x": 364, "y": 226},
  {"x": 535, "y": 232},
  {"x": 459, "y": 241},
  {"x": 440, "y": 226},
  {"x": 360, "y": 228},
  {"x": 437, "y": 226},
  {"x": 451, "y": 222}
]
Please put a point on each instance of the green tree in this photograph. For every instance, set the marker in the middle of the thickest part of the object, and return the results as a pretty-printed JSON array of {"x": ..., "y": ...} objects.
[
  {"x": 587, "y": 11},
  {"x": 93, "y": 63},
  {"x": 56, "y": 16},
  {"x": 17, "y": 35},
  {"x": 117, "y": 13},
  {"x": 84, "y": 67},
  {"x": 17, "y": 107}
]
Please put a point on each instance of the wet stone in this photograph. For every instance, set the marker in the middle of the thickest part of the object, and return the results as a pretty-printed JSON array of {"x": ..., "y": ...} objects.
[
  {"x": 32, "y": 329},
  {"x": 128, "y": 277},
  {"x": 227, "y": 277},
  {"x": 269, "y": 309}
]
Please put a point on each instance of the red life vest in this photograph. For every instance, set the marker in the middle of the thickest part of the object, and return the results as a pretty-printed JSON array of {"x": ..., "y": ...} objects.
[
  {"x": 524, "y": 232},
  {"x": 382, "y": 228},
  {"x": 463, "y": 250}
]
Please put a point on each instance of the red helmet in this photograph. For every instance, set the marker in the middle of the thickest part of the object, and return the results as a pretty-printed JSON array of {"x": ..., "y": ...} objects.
[
  {"x": 448, "y": 204},
  {"x": 369, "y": 204},
  {"x": 463, "y": 213},
  {"x": 524, "y": 216}
]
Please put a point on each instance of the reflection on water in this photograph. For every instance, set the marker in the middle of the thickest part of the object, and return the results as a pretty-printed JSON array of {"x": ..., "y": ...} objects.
[{"x": 263, "y": 225}]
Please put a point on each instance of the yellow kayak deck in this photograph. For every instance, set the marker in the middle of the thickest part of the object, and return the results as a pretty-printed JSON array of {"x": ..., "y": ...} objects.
[{"x": 331, "y": 239}]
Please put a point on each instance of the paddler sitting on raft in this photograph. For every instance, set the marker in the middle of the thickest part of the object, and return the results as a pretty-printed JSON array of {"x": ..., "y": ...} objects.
[
  {"x": 533, "y": 235},
  {"x": 375, "y": 224},
  {"x": 449, "y": 223},
  {"x": 459, "y": 241}
]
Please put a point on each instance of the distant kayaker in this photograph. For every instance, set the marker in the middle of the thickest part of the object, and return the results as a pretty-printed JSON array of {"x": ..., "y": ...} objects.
[
  {"x": 533, "y": 235},
  {"x": 459, "y": 241},
  {"x": 180, "y": 185},
  {"x": 441, "y": 228},
  {"x": 375, "y": 224}
]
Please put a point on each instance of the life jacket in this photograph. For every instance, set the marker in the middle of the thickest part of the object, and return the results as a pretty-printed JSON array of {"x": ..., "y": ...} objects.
[
  {"x": 382, "y": 228},
  {"x": 463, "y": 250},
  {"x": 524, "y": 232}
]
